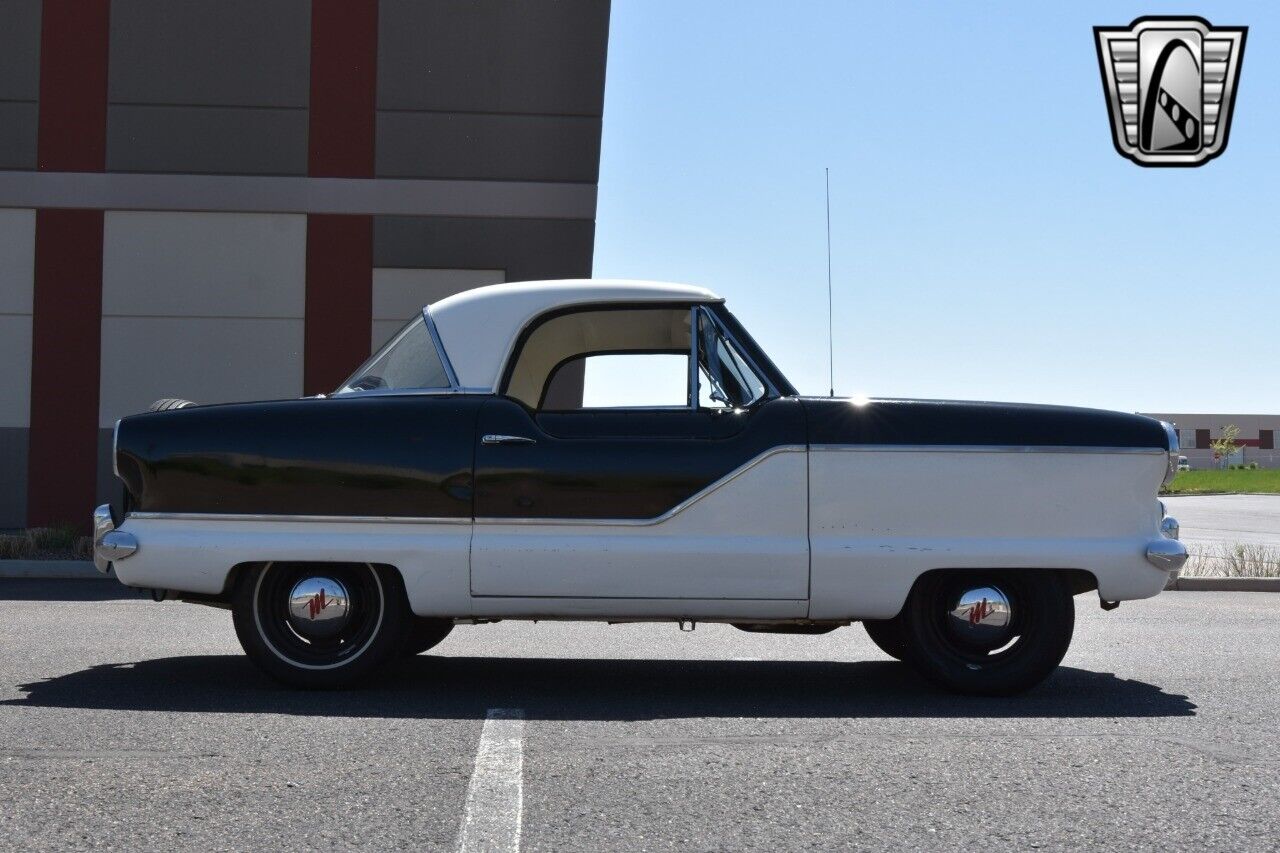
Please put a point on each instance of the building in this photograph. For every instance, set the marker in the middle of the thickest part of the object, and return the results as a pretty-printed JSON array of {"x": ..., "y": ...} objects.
[
  {"x": 1257, "y": 438},
  {"x": 233, "y": 199}
]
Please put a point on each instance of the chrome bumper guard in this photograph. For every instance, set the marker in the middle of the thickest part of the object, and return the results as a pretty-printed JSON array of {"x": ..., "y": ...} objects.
[
  {"x": 1167, "y": 553},
  {"x": 108, "y": 543}
]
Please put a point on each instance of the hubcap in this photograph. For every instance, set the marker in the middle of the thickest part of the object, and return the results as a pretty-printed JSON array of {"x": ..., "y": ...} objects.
[
  {"x": 981, "y": 617},
  {"x": 319, "y": 607}
]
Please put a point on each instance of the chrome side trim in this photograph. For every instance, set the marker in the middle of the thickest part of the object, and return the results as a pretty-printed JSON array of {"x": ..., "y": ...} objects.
[
  {"x": 659, "y": 519},
  {"x": 984, "y": 448},
  {"x": 444, "y": 356},
  {"x": 319, "y": 519}
]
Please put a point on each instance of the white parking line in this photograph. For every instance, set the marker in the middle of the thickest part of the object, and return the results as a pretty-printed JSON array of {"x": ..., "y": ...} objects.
[{"x": 495, "y": 795}]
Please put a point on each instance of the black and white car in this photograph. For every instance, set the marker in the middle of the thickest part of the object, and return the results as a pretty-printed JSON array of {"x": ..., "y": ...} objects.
[{"x": 624, "y": 451}]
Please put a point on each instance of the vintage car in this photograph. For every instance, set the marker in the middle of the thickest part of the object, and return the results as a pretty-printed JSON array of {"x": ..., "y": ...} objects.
[{"x": 625, "y": 452}]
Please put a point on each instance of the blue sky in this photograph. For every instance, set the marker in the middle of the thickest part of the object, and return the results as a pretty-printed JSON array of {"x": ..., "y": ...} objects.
[{"x": 988, "y": 241}]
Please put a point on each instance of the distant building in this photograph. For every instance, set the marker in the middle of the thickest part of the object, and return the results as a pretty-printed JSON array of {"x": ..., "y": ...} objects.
[{"x": 1257, "y": 435}]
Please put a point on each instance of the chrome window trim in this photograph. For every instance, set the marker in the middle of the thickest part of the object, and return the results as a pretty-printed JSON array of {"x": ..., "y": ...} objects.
[
  {"x": 693, "y": 357},
  {"x": 986, "y": 448},
  {"x": 320, "y": 519},
  {"x": 771, "y": 391},
  {"x": 657, "y": 519},
  {"x": 444, "y": 356}
]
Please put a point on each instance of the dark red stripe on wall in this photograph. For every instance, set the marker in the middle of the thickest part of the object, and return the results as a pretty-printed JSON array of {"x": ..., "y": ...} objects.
[
  {"x": 344, "y": 74},
  {"x": 67, "y": 310},
  {"x": 339, "y": 299},
  {"x": 72, "y": 126},
  {"x": 344, "y": 79}
]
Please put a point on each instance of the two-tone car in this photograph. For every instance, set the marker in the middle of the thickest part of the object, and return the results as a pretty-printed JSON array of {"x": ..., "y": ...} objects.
[{"x": 625, "y": 451}]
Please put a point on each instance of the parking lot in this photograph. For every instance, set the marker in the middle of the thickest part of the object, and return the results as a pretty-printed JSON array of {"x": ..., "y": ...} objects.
[{"x": 129, "y": 724}]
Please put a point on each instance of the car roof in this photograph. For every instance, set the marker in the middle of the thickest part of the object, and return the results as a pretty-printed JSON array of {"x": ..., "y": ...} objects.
[{"x": 478, "y": 328}]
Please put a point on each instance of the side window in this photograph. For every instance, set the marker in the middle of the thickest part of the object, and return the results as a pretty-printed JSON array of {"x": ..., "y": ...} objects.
[
  {"x": 622, "y": 380},
  {"x": 604, "y": 357},
  {"x": 632, "y": 358}
]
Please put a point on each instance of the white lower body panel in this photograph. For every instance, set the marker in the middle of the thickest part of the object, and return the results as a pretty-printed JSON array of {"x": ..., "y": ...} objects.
[{"x": 197, "y": 554}]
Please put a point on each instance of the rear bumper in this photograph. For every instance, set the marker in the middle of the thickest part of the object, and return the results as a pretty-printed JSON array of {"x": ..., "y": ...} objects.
[
  {"x": 1167, "y": 553},
  {"x": 109, "y": 544}
]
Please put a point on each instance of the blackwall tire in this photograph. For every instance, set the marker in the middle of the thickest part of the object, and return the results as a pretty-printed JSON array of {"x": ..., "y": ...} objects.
[
  {"x": 373, "y": 608},
  {"x": 889, "y": 636},
  {"x": 424, "y": 634},
  {"x": 939, "y": 630}
]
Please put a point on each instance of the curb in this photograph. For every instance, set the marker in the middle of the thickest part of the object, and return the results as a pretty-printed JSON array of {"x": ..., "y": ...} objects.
[
  {"x": 52, "y": 569},
  {"x": 1225, "y": 585}
]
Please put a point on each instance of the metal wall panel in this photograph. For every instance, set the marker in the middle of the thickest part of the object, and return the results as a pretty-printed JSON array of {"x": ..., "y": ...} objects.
[
  {"x": 528, "y": 249},
  {"x": 399, "y": 294},
  {"x": 203, "y": 264},
  {"x": 494, "y": 147},
  {"x": 208, "y": 360},
  {"x": 17, "y": 135},
  {"x": 15, "y": 355},
  {"x": 19, "y": 50},
  {"x": 206, "y": 306},
  {"x": 535, "y": 56},
  {"x": 207, "y": 140},
  {"x": 228, "y": 52},
  {"x": 17, "y": 279},
  {"x": 13, "y": 476},
  {"x": 17, "y": 260}
]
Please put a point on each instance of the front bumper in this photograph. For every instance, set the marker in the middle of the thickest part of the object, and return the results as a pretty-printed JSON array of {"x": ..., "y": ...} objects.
[{"x": 110, "y": 544}]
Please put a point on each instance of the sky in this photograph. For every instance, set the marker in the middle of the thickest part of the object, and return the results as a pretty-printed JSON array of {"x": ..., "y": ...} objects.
[{"x": 987, "y": 240}]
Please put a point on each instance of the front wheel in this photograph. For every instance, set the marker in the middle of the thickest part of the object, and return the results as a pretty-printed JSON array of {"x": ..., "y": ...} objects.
[
  {"x": 988, "y": 633},
  {"x": 320, "y": 625}
]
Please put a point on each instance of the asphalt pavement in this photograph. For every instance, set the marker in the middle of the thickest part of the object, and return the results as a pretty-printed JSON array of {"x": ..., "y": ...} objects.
[
  {"x": 1215, "y": 520},
  {"x": 132, "y": 725}
]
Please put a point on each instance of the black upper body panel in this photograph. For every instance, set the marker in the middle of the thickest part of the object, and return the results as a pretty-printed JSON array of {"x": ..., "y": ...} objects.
[
  {"x": 617, "y": 463},
  {"x": 413, "y": 455},
  {"x": 954, "y": 422},
  {"x": 374, "y": 455}
]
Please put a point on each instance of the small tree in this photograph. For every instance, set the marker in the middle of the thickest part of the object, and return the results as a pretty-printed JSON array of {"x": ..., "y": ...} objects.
[{"x": 1226, "y": 444}]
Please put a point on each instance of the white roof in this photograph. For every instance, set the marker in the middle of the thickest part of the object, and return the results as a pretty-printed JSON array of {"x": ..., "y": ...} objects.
[{"x": 479, "y": 327}]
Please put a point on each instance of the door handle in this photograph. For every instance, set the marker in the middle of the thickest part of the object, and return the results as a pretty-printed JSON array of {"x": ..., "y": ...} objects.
[{"x": 507, "y": 439}]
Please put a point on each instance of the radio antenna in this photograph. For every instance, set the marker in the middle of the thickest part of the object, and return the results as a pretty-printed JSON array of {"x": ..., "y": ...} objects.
[{"x": 831, "y": 355}]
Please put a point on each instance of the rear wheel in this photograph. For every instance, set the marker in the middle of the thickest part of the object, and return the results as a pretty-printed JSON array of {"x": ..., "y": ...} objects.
[
  {"x": 424, "y": 634},
  {"x": 988, "y": 633},
  {"x": 320, "y": 625},
  {"x": 888, "y": 636}
]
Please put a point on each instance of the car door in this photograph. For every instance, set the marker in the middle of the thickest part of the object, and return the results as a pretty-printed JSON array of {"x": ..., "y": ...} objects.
[{"x": 649, "y": 497}]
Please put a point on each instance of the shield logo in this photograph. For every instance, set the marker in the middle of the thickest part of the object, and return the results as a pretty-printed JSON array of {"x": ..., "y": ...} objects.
[{"x": 1170, "y": 85}]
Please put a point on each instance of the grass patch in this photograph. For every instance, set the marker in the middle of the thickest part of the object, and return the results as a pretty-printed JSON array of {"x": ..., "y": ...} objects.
[
  {"x": 1261, "y": 480},
  {"x": 1234, "y": 561},
  {"x": 46, "y": 543}
]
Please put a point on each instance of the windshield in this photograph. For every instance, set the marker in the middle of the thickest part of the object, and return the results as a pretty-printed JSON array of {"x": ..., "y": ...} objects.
[{"x": 409, "y": 360}]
